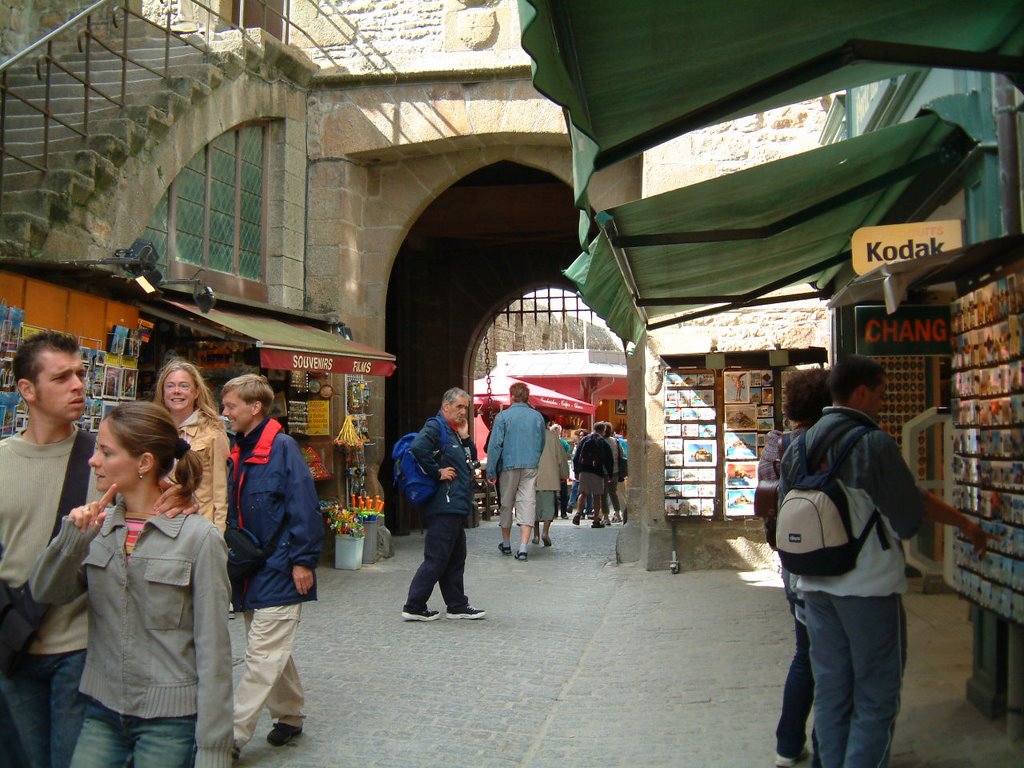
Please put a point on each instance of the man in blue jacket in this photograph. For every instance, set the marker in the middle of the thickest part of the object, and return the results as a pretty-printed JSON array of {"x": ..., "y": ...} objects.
[
  {"x": 513, "y": 455},
  {"x": 449, "y": 455},
  {"x": 271, "y": 494}
]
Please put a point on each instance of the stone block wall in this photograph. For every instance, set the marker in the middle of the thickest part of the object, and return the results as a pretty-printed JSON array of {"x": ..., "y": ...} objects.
[{"x": 401, "y": 37}]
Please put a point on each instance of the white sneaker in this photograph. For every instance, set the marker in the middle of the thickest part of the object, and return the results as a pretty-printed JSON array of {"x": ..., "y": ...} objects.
[{"x": 789, "y": 762}]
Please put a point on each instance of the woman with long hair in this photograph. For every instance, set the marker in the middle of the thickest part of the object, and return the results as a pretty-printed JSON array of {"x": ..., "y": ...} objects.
[
  {"x": 157, "y": 676},
  {"x": 181, "y": 390}
]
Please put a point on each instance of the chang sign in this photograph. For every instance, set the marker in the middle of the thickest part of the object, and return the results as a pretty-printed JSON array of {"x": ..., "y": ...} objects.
[{"x": 872, "y": 247}]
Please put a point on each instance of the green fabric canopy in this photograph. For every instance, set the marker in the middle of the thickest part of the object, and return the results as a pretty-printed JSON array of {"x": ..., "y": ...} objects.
[
  {"x": 634, "y": 74},
  {"x": 732, "y": 240}
]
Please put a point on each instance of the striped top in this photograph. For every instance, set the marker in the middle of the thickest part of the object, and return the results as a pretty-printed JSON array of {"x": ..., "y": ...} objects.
[{"x": 134, "y": 524}]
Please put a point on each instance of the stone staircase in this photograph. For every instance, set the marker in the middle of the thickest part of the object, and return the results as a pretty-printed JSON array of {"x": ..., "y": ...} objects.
[{"x": 78, "y": 167}]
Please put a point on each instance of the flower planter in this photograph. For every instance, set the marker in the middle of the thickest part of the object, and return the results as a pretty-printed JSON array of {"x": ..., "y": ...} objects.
[
  {"x": 348, "y": 553},
  {"x": 370, "y": 541}
]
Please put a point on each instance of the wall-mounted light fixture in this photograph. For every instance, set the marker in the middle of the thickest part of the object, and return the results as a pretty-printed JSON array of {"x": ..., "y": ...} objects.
[
  {"x": 202, "y": 293},
  {"x": 139, "y": 262},
  {"x": 342, "y": 330}
]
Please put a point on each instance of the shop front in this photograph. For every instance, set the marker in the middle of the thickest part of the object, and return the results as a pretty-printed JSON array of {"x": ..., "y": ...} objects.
[{"x": 327, "y": 387}]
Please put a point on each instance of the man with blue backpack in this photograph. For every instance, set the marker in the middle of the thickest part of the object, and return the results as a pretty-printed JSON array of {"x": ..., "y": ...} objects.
[{"x": 444, "y": 451}]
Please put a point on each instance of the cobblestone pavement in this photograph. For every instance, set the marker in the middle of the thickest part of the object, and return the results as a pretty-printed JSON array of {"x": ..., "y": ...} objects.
[{"x": 582, "y": 663}]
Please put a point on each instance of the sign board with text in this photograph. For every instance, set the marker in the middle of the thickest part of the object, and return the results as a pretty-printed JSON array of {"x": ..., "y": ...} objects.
[
  {"x": 873, "y": 247},
  {"x": 910, "y": 330}
]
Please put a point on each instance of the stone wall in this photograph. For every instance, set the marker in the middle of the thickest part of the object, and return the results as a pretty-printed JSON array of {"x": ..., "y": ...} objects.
[
  {"x": 400, "y": 37},
  {"x": 721, "y": 149},
  {"x": 22, "y": 22}
]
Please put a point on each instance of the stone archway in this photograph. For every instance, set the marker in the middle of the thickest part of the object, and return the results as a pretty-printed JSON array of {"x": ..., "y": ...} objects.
[{"x": 516, "y": 231}]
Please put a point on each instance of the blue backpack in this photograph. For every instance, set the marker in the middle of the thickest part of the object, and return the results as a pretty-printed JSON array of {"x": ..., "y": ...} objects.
[{"x": 409, "y": 477}]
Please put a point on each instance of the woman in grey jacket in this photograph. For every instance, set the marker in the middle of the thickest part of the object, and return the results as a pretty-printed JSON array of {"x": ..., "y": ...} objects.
[{"x": 158, "y": 667}]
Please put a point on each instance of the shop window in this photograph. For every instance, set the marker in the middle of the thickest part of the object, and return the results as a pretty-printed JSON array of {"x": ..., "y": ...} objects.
[{"x": 212, "y": 215}]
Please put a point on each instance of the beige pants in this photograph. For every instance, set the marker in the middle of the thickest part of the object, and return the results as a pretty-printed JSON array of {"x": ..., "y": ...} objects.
[{"x": 270, "y": 675}]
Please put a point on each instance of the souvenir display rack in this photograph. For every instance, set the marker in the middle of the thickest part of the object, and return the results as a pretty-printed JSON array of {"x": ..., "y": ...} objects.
[
  {"x": 308, "y": 416},
  {"x": 988, "y": 444},
  {"x": 715, "y": 428},
  {"x": 111, "y": 370},
  {"x": 355, "y": 434}
]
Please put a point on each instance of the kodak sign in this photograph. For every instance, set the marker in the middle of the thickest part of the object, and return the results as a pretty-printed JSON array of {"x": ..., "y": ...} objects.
[
  {"x": 873, "y": 247},
  {"x": 910, "y": 330}
]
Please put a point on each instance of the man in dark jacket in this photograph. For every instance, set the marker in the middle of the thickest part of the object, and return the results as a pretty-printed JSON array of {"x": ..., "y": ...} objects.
[
  {"x": 451, "y": 461},
  {"x": 271, "y": 494},
  {"x": 592, "y": 463}
]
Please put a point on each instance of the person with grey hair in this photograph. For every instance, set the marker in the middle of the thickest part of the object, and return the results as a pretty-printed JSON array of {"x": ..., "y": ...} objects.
[
  {"x": 444, "y": 450},
  {"x": 273, "y": 498}
]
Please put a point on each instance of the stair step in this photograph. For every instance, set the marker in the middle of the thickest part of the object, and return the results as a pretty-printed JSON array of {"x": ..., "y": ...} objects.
[{"x": 27, "y": 228}]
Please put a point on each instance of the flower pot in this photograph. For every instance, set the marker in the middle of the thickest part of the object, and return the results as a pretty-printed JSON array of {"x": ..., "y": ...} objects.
[
  {"x": 370, "y": 540},
  {"x": 348, "y": 553}
]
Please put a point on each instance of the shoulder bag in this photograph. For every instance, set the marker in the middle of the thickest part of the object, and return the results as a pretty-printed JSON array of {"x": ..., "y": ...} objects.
[{"x": 20, "y": 614}]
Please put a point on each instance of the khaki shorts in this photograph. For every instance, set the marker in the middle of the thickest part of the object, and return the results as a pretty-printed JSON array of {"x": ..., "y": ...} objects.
[
  {"x": 591, "y": 484},
  {"x": 519, "y": 492}
]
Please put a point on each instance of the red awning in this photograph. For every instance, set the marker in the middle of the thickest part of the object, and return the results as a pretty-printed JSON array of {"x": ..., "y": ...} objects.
[
  {"x": 289, "y": 346},
  {"x": 541, "y": 398}
]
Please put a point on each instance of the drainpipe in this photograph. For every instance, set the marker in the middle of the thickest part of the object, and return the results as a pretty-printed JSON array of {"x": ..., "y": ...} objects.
[{"x": 1008, "y": 138}]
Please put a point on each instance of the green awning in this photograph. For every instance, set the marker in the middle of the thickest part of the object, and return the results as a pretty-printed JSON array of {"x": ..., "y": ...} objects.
[
  {"x": 634, "y": 74},
  {"x": 730, "y": 241}
]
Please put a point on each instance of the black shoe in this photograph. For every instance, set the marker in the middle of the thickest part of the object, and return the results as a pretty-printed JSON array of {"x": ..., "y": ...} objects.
[
  {"x": 469, "y": 612},
  {"x": 521, "y": 556},
  {"x": 506, "y": 549},
  {"x": 282, "y": 733},
  {"x": 236, "y": 752},
  {"x": 565, "y": 516},
  {"x": 424, "y": 615},
  {"x": 575, "y": 519},
  {"x": 597, "y": 524}
]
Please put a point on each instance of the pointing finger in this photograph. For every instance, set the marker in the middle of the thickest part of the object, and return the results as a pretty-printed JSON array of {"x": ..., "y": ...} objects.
[{"x": 108, "y": 497}]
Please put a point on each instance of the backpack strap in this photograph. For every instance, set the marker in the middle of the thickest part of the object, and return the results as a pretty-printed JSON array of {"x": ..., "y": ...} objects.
[{"x": 855, "y": 433}]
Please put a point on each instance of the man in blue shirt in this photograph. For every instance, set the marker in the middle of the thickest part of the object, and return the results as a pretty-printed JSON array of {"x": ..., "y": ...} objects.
[{"x": 513, "y": 455}]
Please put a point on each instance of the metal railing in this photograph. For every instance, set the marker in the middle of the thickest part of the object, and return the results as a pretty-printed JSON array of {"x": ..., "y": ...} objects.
[{"x": 102, "y": 30}]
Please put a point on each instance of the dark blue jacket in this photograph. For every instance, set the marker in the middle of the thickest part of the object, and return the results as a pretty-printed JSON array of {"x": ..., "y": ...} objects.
[
  {"x": 453, "y": 497},
  {"x": 277, "y": 493}
]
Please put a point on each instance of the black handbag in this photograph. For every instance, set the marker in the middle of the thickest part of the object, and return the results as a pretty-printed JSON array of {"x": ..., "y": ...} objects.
[
  {"x": 246, "y": 554},
  {"x": 20, "y": 614}
]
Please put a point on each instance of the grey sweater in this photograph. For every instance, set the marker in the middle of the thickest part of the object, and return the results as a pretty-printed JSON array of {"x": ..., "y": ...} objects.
[{"x": 158, "y": 635}]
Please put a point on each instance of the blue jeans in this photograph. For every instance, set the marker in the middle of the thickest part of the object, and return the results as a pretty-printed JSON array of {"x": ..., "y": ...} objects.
[
  {"x": 444, "y": 563},
  {"x": 858, "y": 648},
  {"x": 46, "y": 707},
  {"x": 797, "y": 700},
  {"x": 109, "y": 739},
  {"x": 12, "y": 755}
]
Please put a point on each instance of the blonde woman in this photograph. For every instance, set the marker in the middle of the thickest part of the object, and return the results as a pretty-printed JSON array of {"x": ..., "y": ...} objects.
[
  {"x": 181, "y": 390},
  {"x": 157, "y": 676}
]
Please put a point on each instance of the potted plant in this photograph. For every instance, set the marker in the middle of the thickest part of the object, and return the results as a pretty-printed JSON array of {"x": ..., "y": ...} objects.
[{"x": 348, "y": 536}]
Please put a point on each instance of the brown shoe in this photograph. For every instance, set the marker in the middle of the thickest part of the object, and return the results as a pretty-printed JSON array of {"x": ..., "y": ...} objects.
[{"x": 547, "y": 540}]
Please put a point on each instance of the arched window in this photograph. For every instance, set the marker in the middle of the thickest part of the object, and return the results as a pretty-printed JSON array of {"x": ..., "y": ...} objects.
[{"x": 212, "y": 215}]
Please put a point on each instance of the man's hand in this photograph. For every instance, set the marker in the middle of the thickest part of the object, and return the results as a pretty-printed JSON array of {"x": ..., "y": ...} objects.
[
  {"x": 978, "y": 537},
  {"x": 173, "y": 501},
  {"x": 303, "y": 578},
  {"x": 447, "y": 473}
]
